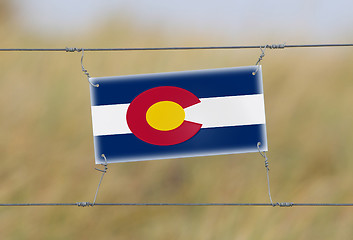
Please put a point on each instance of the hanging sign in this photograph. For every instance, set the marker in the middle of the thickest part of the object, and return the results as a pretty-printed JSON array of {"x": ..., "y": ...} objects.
[{"x": 179, "y": 114}]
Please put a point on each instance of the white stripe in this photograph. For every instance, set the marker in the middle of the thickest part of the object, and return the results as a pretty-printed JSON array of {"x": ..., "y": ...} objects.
[
  {"x": 211, "y": 112},
  {"x": 228, "y": 111},
  {"x": 109, "y": 119}
]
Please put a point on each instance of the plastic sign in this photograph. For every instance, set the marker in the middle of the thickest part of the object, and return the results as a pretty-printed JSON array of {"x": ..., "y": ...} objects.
[{"x": 181, "y": 114}]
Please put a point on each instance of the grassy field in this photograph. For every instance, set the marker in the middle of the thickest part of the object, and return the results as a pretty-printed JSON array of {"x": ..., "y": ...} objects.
[{"x": 47, "y": 147}]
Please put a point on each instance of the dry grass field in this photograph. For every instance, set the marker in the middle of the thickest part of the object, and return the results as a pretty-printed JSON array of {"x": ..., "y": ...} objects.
[{"x": 47, "y": 154}]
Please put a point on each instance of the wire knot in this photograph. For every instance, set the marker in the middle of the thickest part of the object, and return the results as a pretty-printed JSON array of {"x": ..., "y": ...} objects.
[
  {"x": 84, "y": 204},
  {"x": 276, "y": 46},
  {"x": 283, "y": 204},
  {"x": 262, "y": 55},
  {"x": 68, "y": 49}
]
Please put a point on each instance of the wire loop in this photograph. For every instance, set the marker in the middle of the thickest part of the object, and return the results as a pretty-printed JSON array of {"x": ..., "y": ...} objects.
[
  {"x": 105, "y": 164},
  {"x": 263, "y": 154},
  {"x": 83, "y": 69}
]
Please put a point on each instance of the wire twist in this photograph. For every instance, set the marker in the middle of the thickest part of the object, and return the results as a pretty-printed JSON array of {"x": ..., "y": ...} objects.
[
  {"x": 68, "y": 49},
  {"x": 276, "y": 46},
  {"x": 262, "y": 55},
  {"x": 284, "y": 204},
  {"x": 84, "y": 204}
]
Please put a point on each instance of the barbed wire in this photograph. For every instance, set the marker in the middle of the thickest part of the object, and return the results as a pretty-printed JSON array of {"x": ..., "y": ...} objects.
[{"x": 268, "y": 46}]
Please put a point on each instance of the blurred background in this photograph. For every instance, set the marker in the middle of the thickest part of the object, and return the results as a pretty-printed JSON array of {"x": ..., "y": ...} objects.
[{"x": 46, "y": 137}]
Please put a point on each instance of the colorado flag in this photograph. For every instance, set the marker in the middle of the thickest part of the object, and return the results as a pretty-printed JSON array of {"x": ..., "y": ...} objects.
[{"x": 180, "y": 114}]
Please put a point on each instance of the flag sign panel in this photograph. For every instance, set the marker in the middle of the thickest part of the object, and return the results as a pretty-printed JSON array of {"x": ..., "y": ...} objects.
[{"x": 180, "y": 114}]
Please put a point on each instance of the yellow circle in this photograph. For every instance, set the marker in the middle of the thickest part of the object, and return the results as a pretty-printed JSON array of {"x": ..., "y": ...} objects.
[{"x": 165, "y": 115}]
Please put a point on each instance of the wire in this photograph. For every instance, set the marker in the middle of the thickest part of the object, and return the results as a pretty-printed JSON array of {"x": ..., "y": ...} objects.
[
  {"x": 104, "y": 171},
  {"x": 272, "y": 46},
  {"x": 284, "y": 204},
  {"x": 36, "y": 204},
  {"x": 88, "y": 204}
]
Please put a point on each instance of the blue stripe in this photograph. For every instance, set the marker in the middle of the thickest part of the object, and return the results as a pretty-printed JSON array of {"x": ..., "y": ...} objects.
[
  {"x": 202, "y": 83},
  {"x": 208, "y": 141}
]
